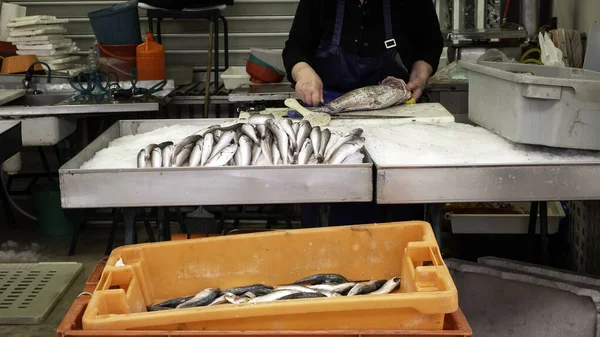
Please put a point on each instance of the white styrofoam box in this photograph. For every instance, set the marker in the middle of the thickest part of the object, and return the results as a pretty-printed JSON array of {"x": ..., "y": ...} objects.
[
  {"x": 531, "y": 104},
  {"x": 46, "y": 131},
  {"x": 504, "y": 223},
  {"x": 235, "y": 76}
]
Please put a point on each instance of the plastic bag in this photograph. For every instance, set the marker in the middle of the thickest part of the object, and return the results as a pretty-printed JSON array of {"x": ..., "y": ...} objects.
[
  {"x": 452, "y": 72},
  {"x": 494, "y": 55},
  {"x": 551, "y": 56}
]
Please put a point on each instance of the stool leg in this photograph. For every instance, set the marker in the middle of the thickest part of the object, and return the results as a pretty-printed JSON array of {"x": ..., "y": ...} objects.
[
  {"x": 158, "y": 31},
  {"x": 544, "y": 230},
  {"x": 533, "y": 214},
  {"x": 130, "y": 226},
  {"x": 211, "y": 37},
  {"x": 216, "y": 76},
  {"x": 225, "y": 40},
  {"x": 150, "y": 24}
]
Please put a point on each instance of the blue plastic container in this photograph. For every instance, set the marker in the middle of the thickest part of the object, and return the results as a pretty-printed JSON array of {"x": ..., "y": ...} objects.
[{"x": 119, "y": 24}]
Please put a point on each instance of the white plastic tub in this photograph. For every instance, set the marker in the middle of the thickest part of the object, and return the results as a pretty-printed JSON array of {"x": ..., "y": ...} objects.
[
  {"x": 533, "y": 104},
  {"x": 234, "y": 77},
  {"x": 504, "y": 223}
]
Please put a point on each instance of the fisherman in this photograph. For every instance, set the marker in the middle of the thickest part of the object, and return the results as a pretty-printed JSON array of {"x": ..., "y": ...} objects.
[
  {"x": 338, "y": 46},
  {"x": 342, "y": 45}
]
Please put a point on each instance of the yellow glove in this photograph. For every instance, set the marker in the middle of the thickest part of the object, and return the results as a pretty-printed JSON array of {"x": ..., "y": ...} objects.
[{"x": 411, "y": 101}]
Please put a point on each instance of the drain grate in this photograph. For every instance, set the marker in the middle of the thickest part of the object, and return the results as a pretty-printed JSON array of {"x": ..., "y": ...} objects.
[{"x": 28, "y": 291}]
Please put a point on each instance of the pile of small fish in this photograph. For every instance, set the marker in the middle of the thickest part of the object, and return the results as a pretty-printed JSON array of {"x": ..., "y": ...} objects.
[
  {"x": 279, "y": 142},
  {"x": 315, "y": 286}
]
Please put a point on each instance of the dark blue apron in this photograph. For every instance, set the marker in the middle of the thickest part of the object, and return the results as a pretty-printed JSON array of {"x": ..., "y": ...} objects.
[{"x": 342, "y": 72}]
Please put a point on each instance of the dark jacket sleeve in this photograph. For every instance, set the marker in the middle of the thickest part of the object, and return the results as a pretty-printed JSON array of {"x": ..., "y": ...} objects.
[
  {"x": 304, "y": 37},
  {"x": 427, "y": 41}
]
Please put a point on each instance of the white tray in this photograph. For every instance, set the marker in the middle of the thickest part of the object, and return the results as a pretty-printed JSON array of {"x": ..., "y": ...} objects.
[{"x": 504, "y": 223}]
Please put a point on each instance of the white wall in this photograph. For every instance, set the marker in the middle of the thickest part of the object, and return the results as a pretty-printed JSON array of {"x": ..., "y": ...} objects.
[{"x": 577, "y": 14}]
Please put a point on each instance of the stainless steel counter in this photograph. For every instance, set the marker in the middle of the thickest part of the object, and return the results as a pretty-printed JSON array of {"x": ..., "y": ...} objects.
[{"x": 82, "y": 188}]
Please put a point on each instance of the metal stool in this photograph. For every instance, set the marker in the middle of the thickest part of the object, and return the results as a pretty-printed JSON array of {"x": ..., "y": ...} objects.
[{"x": 212, "y": 14}]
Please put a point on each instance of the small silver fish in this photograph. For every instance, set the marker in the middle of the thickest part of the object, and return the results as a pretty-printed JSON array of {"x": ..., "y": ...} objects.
[
  {"x": 299, "y": 296},
  {"x": 366, "y": 288},
  {"x": 274, "y": 296},
  {"x": 276, "y": 153},
  {"x": 305, "y": 152},
  {"x": 196, "y": 154},
  {"x": 266, "y": 145},
  {"x": 207, "y": 148},
  {"x": 235, "y": 299},
  {"x": 303, "y": 133},
  {"x": 223, "y": 157},
  {"x": 219, "y": 300},
  {"x": 260, "y": 119},
  {"x": 262, "y": 130},
  {"x": 322, "y": 278},
  {"x": 203, "y": 298},
  {"x": 183, "y": 156},
  {"x": 164, "y": 144},
  {"x": 237, "y": 158},
  {"x": 156, "y": 157},
  {"x": 285, "y": 124},
  {"x": 256, "y": 152},
  {"x": 347, "y": 149},
  {"x": 315, "y": 138},
  {"x": 149, "y": 148},
  {"x": 226, "y": 139},
  {"x": 325, "y": 136},
  {"x": 334, "y": 288},
  {"x": 141, "y": 158},
  {"x": 167, "y": 155},
  {"x": 388, "y": 287},
  {"x": 296, "y": 127},
  {"x": 217, "y": 133},
  {"x": 341, "y": 141},
  {"x": 250, "y": 131},
  {"x": 282, "y": 141},
  {"x": 245, "y": 151},
  {"x": 250, "y": 291},
  {"x": 186, "y": 141},
  {"x": 298, "y": 288}
]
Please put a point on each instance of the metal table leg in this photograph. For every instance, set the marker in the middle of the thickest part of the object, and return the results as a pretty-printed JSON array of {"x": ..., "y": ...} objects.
[
  {"x": 130, "y": 226},
  {"x": 324, "y": 211},
  {"x": 544, "y": 230},
  {"x": 533, "y": 214},
  {"x": 164, "y": 225},
  {"x": 158, "y": 31},
  {"x": 435, "y": 213}
]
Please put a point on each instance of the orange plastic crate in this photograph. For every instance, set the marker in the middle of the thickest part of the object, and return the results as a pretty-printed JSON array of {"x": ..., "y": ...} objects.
[{"x": 158, "y": 271}]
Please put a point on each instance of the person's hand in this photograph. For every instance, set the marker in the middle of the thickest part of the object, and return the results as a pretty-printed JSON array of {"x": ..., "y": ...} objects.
[
  {"x": 419, "y": 76},
  {"x": 309, "y": 87},
  {"x": 416, "y": 86}
]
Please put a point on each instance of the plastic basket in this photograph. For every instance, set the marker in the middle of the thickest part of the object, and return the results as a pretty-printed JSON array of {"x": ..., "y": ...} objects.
[
  {"x": 158, "y": 271},
  {"x": 119, "y": 24}
]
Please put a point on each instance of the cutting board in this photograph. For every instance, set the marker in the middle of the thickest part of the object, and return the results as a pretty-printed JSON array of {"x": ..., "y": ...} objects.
[
  {"x": 7, "y": 95},
  {"x": 424, "y": 112}
]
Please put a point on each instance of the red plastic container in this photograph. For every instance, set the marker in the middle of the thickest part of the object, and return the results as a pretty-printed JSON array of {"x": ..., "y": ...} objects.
[
  {"x": 151, "y": 60},
  {"x": 261, "y": 74},
  {"x": 124, "y": 52}
]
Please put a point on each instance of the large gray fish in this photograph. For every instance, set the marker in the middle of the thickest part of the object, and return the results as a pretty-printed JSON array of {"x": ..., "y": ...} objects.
[
  {"x": 303, "y": 133},
  {"x": 315, "y": 138},
  {"x": 350, "y": 147},
  {"x": 207, "y": 148},
  {"x": 183, "y": 156},
  {"x": 156, "y": 157},
  {"x": 245, "y": 151},
  {"x": 305, "y": 152},
  {"x": 266, "y": 144},
  {"x": 325, "y": 136},
  {"x": 226, "y": 139},
  {"x": 186, "y": 141},
  {"x": 285, "y": 124},
  {"x": 223, "y": 157},
  {"x": 167, "y": 155},
  {"x": 260, "y": 119},
  {"x": 203, "y": 298},
  {"x": 392, "y": 91},
  {"x": 250, "y": 131},
  {"x": 196, "y": 155},
  {"x": 282, "y": 141},
  {"x": 340, "y": 141},
  {"x": 256, "y": 152}
]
